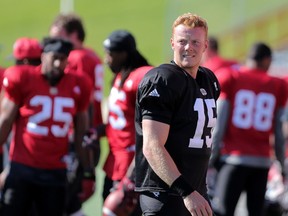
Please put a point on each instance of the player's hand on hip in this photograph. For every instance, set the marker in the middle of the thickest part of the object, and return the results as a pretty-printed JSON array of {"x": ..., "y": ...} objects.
[{"x": 197, "y": 205}]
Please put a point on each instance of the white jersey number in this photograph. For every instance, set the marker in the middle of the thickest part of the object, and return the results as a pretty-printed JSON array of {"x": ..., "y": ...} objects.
[
  {"x": 197, "y": 141},
  {"x": 50, "y": 109},
  {"x": 98, "y": 73},
  {"x": 253, "y": 110},
  {"x": 118, "y": 122}
]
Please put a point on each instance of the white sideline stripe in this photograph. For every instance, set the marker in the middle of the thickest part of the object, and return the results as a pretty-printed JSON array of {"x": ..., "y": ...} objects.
[
  {"x": 66, "y": 6},
  {"x": 108, "y": 212}
]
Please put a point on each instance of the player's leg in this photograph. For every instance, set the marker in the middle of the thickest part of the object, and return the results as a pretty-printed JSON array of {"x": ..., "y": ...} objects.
[
  {"x": 74, "y": 204},
  {"x": 230, "y": 183},
  {"x": 51, "y": 201},
  {"x": 51, "y": 193},
  {"x": 256, "y": 188},
  {"x": 108, "y": 185},
  {"x": 18, "y": 191}
]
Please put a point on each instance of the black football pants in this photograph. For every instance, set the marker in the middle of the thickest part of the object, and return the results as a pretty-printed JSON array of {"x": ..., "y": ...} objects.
[
  {"x": 231, "y": 181},
  {"x": 25, "y": 187}
]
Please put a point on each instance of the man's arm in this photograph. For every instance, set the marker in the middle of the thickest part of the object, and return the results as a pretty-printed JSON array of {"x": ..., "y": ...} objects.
[
  {"x": 279, "y": 137},
  {"x": 81, "y": 123},
  {"x": 223, "y": 110},
  {"x": 9, "y": 111},
  {"x": 155, "y": 135}
]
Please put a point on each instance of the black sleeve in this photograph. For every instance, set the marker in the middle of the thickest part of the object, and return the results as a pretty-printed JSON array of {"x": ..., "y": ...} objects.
[{"x": 158, "y": 94}]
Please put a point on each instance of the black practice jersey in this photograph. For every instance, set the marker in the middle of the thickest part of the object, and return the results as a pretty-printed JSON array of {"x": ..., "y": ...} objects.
[{"x": 168, "y": 94}]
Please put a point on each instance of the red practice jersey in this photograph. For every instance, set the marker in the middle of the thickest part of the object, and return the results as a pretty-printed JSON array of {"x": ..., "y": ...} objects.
[
  {"x": 87, "y": 61},
  {"x": 218, "y": 62},
  {"x": 1, "y": 81},
  {"x": 120, "y": 130},
  {"x": 1, "y": 75},
  {"x": 40, "y": 132},
  {"x": 254, "y": 98},
  {"x": 286, "y": 80}
]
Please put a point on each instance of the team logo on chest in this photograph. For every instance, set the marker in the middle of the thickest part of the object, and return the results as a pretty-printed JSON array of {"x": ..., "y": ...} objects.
[
  {"x": 154, "y": 93},
  {"x": 203, "y": 91},
  {"x": 53, "y": 91}
]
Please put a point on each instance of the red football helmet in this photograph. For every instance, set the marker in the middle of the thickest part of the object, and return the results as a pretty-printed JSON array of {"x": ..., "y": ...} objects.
[{"x": 122, "y": 201}]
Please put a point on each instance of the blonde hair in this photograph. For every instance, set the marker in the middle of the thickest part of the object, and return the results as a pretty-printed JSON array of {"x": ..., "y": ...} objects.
[{"x": 192, "y": 21}]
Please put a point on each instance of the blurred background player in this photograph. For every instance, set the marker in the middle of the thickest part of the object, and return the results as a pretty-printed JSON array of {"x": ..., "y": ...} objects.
[
  {"x": 41, "y": 103},
  {"x": 2, "y": 70},
  {"x": 81, "y": 59},
  {"x": 128, "y": 67},
  {"x": 250, "y": 108},
  {"x": 26, "y": 51},
  {"x": 212, "y": 58},
  {"x": 1, "y": 148},
  {"x": 86, "y": 62}
]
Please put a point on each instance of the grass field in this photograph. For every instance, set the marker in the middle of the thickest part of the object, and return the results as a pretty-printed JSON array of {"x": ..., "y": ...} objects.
[{"x": 150, "y": 22}]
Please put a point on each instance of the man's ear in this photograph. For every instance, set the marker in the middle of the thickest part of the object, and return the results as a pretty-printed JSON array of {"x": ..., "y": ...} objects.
[{"x": 172, "y": 43}]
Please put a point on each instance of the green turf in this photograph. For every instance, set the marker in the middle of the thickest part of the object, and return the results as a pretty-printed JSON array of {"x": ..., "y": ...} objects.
[{"x": 150, "y": 22}]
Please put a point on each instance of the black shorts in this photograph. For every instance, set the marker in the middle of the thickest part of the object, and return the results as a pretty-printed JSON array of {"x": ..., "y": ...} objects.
[
  {"x": 162, "y": 204},
  {"x": 25, "y": 187},
  {"x": 74, "y": 203}
]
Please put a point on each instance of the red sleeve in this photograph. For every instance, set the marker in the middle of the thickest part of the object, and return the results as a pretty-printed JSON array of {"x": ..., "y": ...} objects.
[
  {"x": 224, "y": 77},
  {"x": 12, "y": 83},
  {"x": 2, "y": 70},
  {"x": 85, "y": 85},
  {"x": 139, "y": 74},
  {"x": 283, "y": 92}
]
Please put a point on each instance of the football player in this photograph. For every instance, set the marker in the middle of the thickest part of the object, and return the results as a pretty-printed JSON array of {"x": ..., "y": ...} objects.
[
  {"x": 26, "y": 51},
  {"x": 249, "y": 123},
  {"x": 129, "y": 67},
  {"x": 1, "y": 148},
  {"x": 212, "y": 58},
  {"x": 175, "y": 115},
  {"x": 84, "y": 61},
  {"x": 41, "y": 103}
]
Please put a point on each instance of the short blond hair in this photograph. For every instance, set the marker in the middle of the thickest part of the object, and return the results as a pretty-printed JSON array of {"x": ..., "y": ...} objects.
[{"x": 192, "y": 21}]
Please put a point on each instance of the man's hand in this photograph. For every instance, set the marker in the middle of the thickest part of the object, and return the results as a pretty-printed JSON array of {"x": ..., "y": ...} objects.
[{"x": 197, "y": 205}]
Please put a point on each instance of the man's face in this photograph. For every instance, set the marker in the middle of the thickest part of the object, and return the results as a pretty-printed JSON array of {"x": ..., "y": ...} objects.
[
  {"x": 115, "y": 60},
  {"x": 188, "y": 45},
  {"x": 53, "y": 66},
  {"x": 58, "y": 32}
]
